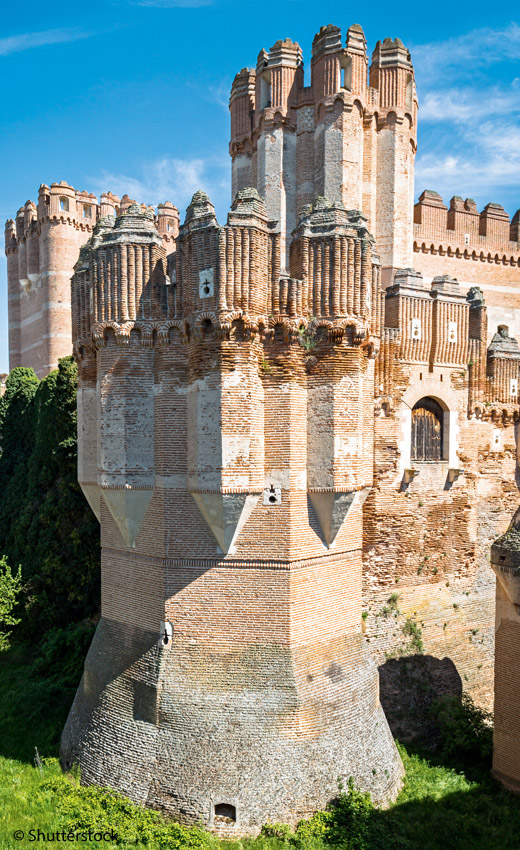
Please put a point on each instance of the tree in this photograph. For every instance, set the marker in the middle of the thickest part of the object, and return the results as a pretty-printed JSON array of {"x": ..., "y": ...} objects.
[
  {"x": 10, "y": 586},
  {"x": 46, "y": 524}
]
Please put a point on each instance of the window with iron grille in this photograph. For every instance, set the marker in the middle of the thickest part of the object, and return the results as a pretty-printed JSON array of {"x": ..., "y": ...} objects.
[{"x": 427, "y": 430}]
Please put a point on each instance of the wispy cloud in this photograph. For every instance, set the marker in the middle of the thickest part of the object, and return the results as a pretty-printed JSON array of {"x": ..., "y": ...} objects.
[
  {"x": 25, "y": 41},
  {"x": 479, "y": 47},
  {"x": 172, "y": 179},
  {"x": 491, "y": 168},
  {"x": 217, "y": 92},
  {"x": 463, "y": 104},
  {"x": 470, "y": 153}
]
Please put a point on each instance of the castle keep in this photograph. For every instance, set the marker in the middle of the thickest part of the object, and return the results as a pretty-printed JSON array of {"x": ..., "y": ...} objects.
[
  {"x": 297, "y": 430},
  {"x": 226, "y": 441}
]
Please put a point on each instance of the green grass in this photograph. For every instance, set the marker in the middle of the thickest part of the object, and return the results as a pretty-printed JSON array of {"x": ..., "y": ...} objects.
[{"x": 441, "y": 805}]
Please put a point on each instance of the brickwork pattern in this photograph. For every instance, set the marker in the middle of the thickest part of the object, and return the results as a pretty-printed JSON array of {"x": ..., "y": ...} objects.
[
  {"x": 42, "y": 247},
  {"x": 226, "y": 441}
]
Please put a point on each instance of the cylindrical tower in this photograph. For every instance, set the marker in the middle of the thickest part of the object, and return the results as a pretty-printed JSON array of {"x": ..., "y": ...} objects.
[
  {"x": 13, "y": 293},
  {"x": 392, "y": 75}
]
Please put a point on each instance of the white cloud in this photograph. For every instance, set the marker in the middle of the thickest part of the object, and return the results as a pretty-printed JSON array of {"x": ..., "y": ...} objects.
[
  {"x": 216, "y": 93},
  {"x": 490, "y": 167},
  {"x": 25, "y": 41},
  {"x": 172, "y": 179},
  {"x": 473, "y": 153},
  {"x": 476, "y": 48},
  {"x": 465, "y": 104}
]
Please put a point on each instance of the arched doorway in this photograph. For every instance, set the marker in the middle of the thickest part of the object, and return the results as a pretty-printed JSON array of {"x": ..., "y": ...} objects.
[{"x": 427, "y": 430}]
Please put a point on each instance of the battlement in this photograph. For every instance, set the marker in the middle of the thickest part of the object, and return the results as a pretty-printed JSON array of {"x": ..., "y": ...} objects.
[
  {"x": 42, "y": 245},
  {"x": 438, "y": 228},
  {"x": 350, "y": 136},
  {"x": 218, "y": 272},
  {"x": 275, "y": 86}
]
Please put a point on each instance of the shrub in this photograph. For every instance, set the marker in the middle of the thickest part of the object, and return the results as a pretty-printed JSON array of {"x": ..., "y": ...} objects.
[
  {"x": 10, "y": 586},
  {"x": 466, "y": 730},
  {"x": 412, "y": 629},
  {"x": 345, "y": 822}
]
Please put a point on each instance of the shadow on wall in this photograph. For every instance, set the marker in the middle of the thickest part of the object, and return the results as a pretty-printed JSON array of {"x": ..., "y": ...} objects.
[{"x": 408, "y": 688}]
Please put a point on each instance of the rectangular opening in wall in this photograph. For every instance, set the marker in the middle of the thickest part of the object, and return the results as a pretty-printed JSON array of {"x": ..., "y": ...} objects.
[
  {"x": 224, "y": 813},
  {"x": 145, "y": 702}
]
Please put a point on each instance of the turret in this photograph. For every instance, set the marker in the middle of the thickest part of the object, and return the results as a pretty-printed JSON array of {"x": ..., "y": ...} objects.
[
  {"x": 126, "y": 202},
  {"x": 279, "y": 77},
  {"x": 326, "y": 63},
  {"x": 62, "y": 202},
  {"x": 392, "y": 76},
  {"x": 242, "y": 108},
  {"x": 168, "y": 225},
  {"x": 108, "y": 205},
  {"x": 356, "y": 67},
  {"x": 13, "y": 293}
]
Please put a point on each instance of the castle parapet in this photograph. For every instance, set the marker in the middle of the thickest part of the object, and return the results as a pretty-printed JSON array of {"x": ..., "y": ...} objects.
[
  {"x": 433, "y": 320},
  {"x": 336, "y": 138},
  {"x": 461, "y": 228}
]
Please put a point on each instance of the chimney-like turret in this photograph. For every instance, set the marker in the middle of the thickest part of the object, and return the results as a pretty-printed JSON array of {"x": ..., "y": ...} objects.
[{"x": 392, "y": 77}]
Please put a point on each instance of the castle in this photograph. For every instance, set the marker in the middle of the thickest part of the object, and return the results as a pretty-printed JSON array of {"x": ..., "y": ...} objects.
[{"x": 298, "y": 432}]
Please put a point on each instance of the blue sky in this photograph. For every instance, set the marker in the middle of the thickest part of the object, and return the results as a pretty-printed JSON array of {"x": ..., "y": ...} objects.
[{"x": 132, "y": 96}]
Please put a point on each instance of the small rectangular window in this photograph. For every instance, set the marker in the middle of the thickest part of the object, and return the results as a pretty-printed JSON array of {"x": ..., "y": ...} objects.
[{"x": 87, "y": 211}]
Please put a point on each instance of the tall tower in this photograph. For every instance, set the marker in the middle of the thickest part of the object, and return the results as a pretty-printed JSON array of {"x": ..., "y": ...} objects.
[
  {"x": 42, "y": 248},
  {"x": 225, "y": 419},
  {"x": 350, "y": 136}
]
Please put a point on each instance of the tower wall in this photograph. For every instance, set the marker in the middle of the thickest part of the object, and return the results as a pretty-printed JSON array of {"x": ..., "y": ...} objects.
[
  {"x": 506, "y": 729},
  {"x": 478, "y": 248},
  {"x": 230, "y": 646},
  {"x": 339, "y": 138},
  {"x": 42, "y": 249}
]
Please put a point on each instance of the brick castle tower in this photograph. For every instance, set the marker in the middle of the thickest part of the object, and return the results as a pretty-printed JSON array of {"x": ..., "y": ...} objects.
[
  {"x": 348, "y": 136},
  {"x": 225, "y": 442},
  {"x": 265, "y": 434},
  {"x": 42, "y": 246}
]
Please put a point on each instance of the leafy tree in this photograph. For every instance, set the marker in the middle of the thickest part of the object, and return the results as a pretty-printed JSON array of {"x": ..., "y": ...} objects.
[
  {"x": 10, "y": 586},
  {"x": 46, "y": 524},
  {"x": 17, "y": 423}
]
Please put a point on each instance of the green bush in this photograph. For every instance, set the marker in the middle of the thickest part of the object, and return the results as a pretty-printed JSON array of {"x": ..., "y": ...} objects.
[
  {"x": 10, "y": 586},
  {"x": 466, "y": 730},
  {"x": 104, "y": 810}
]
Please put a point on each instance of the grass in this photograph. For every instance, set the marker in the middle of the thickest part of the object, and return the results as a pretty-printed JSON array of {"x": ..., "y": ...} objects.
[{"x": 443, "y": 803}]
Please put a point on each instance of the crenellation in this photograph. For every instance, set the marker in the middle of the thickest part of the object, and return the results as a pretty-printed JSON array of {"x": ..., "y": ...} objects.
[
  {"x": 462, "y": 227},
  {"x": 42, "y": 247}
]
